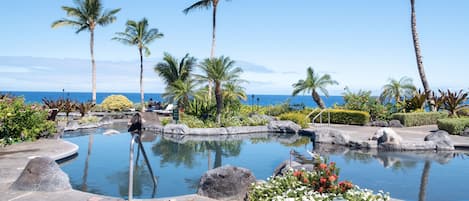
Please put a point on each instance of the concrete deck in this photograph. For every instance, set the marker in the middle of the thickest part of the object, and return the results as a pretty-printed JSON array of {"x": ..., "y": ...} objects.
[{"x": 14, "y": 158}]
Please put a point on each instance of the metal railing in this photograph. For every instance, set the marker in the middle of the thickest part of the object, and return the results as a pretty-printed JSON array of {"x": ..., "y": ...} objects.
[
  {"x": 319, "y": 115},
  {"x": 136, "y": 138}
]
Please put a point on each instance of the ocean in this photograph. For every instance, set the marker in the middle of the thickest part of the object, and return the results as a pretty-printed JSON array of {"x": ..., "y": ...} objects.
[{"x": 253, "y": 99}]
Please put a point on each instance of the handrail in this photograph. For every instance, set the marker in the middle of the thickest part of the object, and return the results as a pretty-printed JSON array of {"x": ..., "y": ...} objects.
[
  {"x": 320, "y": 115},
  {"x": 136, "y": 137}
]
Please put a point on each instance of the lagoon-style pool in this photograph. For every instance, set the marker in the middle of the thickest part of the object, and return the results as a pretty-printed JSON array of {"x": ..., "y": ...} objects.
[{"x": 102, "y": 164}]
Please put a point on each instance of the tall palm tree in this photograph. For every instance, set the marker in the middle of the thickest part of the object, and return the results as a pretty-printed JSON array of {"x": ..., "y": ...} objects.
[
  {"x": 395, "y": 90},
  {"x": 233, "y": 91},
  {"x": 207, "y": 4},
  {"x": 219, "y": 71},
  {"x": 418, "y": 55},
  {"x": 140, "y": 35},
  {"x": 313, "y": 83},
  {"x": 87, "y": 15}
]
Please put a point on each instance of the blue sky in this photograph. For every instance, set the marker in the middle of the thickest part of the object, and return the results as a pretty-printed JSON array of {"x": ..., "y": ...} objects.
[{"x": 361, "y": 43}]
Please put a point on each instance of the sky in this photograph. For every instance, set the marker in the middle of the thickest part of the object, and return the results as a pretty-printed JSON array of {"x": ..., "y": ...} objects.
[{"x": 360, "y": 43}]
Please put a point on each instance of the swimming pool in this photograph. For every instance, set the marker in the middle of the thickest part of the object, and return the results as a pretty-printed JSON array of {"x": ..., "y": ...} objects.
[{"x": 101, "y": 166}]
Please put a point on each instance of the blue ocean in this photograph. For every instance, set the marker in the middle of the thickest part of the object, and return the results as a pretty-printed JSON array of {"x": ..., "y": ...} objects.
[{"x": 253, "y": 99}]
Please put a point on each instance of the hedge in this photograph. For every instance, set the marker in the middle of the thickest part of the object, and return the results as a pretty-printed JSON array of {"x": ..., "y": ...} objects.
[
  {"x": 340, "y": 116},
  {"x": 454, "y": 126},
  {"x": 419, "y": 118},
  {"x": 296, "y": 117}
]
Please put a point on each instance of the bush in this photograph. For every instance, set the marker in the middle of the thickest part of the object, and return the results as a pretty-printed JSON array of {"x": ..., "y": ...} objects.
[
  {"x": 340, "y": 116},
  {"x": 419, "y": 118},
  {"x": 192, "y": 121},
  {"x": 320, "y": 184},
  {"x": 116, "y": 103},
  {"x": 89, "y": 120},
  {"x": 454, "y": 126},
  {"x": 22, "y": 122},
  {"x": 297, "y": 117},
  {"x": 464, "y": 112}
]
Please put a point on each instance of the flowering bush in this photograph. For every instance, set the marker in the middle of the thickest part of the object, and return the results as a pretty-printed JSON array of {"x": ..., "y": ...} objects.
[
  {"x": 321, "y": 184},
  {"x": 22, "y": 122},
  {"x": 116, "y": 103}
]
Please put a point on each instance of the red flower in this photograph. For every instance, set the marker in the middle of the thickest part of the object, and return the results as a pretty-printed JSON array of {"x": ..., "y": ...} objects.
[
  {"x": 297, "y": 173},
  {"x": 305, "y": 180},
  {"x": 323, "y": 180},
  {"x": 332, "y": 178},
  {"x": 322, "y": 166},
  {"x": 321, "y": 189}
]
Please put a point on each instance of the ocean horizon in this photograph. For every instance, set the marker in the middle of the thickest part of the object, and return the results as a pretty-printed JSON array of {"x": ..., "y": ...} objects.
[{"x": 253, "y": 99}]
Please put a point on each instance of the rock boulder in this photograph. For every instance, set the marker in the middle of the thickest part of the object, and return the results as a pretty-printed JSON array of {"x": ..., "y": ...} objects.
[
  {"x": 387, "y": 136},
  {"x": 42, "y": 174},
  {"x": 395, "y": 124},
  {"x": 176, "y": 129},
  {"x": 330, "y": 136},
  {"x": 283, "y": 127},
  {"x": 226, "y": 183},
  {"x": 441, "y": 139}
]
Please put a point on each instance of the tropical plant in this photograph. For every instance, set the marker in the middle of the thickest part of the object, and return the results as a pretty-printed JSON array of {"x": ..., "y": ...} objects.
[
  {"x": 171, "y": 69},
  {"x": 87, "y": 15},
  {"x": 232, "y": 94},
  {"x": 395, "y": 90},
  {"x": 363, "y": 101},
  {"x": 116, "y": 103},
  {"x": 219, "y": 70},
  {"x": 140, "y": 35},
  {"x": 68, "y": 106},
  {"x": 418, "y": 56},
  {"x": 177, "y": 76},
  {"x": 416, "y": 102},
  {"x": 454, "y": 101},
  {"x": 320, "y": 184},
  {"x": 312, "y": 84},
  {"x": 85, "y": 107},
  {"x": 22, "y": 122},
  {"x": 179, "y": 92}
]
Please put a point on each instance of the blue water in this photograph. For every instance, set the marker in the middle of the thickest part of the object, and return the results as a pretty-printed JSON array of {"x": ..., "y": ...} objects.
[
  {"x": 264, "y": 100},
  {"x": 178, "y": 166}
]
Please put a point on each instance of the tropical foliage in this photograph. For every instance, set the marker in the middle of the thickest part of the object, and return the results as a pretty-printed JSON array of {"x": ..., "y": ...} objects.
[
  {"x": 312, "y": 84},
  {"x": 455, "y": 126},
  {"x": 397, "y": 90},
  {"x": 87, "y": 15},
  {"x": 320, "y": 184},
  {"x": 454, "y": 101},
  {"x": 140, "y": 35},
  {"x": 219, "y": 71},
  {"x": 362, "y": 101},
  {"x": 419, "y": 118},
  {"x": 116, "y": 103},
  {"x": 176, "y": 74},
  {"x": 22, "y": 122}
]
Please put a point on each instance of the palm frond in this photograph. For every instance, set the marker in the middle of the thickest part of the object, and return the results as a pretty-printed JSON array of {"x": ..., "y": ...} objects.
[{"x": 202, "y": 4}]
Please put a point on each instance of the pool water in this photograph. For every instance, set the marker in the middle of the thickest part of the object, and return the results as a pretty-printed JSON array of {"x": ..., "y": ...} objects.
[{"x": 102, "y": 164}]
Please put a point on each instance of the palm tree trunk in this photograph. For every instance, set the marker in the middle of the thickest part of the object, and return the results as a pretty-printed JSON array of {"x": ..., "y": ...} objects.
[
  {"x": 142, "y": 99},
  {"x": 317, "y": 99},
  {"x": 418, "y": 56},
  {"x": 219, "y": 99},
  {"x": 424, "y": 181},
  {"x": 212, "y": 50},
  {"x": 218, "y": 155},
  {"x": 93, "y": 67}
]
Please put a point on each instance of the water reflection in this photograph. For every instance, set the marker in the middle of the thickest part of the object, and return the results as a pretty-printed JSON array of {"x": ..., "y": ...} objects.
[{"x": 142, "y": 182}]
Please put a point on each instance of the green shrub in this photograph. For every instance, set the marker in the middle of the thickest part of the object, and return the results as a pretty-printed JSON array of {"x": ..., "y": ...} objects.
[
  {"x": 297, "y": 117},
  {"x": 116, "y": 103},
  {"x": 256, "y": 120},
  {"x": 89, "y": 120},
  {"x": 22, "y": 122},
  {"x": 454, "y": 126},
  {"x": 165, "y": 120},
  {"x": 464, "y": 112},
  {"x": 192, "y": 121},
  {"x": 419, "y": 118},
  {"x": 340, "y": 116}
]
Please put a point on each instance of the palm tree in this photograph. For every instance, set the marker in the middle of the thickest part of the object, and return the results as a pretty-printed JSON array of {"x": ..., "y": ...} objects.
[
  {"x": 219, "y": 71},
  {"x": 233, "y": 91},
  {"x": 180, "y": 91},
  {"x": 140, "y": 35},
  {"x": 395, "y": 90},
  {"x": 313, "y": 83},
  {"x": 171, "y": 69},
  {"x": 86, "y": 16},
  {"x": 424, "y": 180},
  {"x": 418, "y": 56},
  {"x": 206, "y": 4}
]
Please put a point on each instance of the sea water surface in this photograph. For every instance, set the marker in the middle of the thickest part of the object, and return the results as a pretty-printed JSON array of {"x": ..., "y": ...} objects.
[{"x": 253, "y": 99}]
